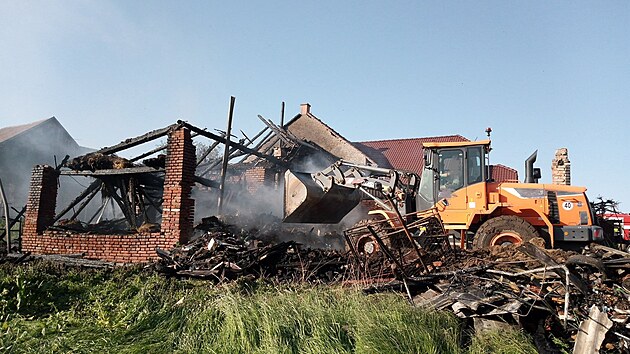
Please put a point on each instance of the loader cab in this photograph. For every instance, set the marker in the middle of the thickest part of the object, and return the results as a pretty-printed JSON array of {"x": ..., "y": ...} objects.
[{"x": 449, "y": 168}]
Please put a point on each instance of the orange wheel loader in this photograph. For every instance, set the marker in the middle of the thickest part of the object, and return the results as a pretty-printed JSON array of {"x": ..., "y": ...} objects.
[{"x": 456, "y": 185}]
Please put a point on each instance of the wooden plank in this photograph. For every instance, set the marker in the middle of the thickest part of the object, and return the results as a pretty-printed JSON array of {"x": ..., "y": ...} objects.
[
  {"x": 206, "y": 182},
  {"x": 205, "y": 154},
  {"x": 157, "y": 149},
  {"x": 113, "y": 171},
  {"x": 14, "y": 220},
  {"x": 131, "y": 142},
  {"x": 226, "y": 155},
  {"x": 121, "y": 204},
  {"x": 85, "y": 203}
]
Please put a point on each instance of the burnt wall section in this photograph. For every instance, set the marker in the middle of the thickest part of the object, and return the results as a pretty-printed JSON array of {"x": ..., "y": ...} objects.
[
  {"x": 178, "y": 207},
  {"x": 177, "y": 218},
  {"x": 42, "y": 200}
]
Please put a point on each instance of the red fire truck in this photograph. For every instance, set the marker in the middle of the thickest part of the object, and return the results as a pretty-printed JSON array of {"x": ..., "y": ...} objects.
[{"x": 621, "y": 224}]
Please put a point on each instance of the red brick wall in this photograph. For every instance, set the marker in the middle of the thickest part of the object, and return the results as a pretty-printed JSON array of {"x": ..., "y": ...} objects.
[
  {"x": 42, "y": 199},
  {"x": 177, "y": 218},
  {"x": 178, "y": 208},
  {"x": 257, "y": 177},
  {"x": 254, "y": 179},
  {"x": 132, "y": 248}
]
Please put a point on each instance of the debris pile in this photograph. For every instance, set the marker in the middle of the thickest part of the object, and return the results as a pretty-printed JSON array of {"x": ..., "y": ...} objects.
[
  {"x": 221, "y": 254},
  {"x": 583, "y": 299},
  {"x": 564, "y": 299}
]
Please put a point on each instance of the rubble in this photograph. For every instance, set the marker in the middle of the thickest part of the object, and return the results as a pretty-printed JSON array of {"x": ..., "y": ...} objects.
[
  {"x": 223, "y": 252},
  {"x": 553, "y": 294},
  {"x": 556, "y": 295},
  {"x": 579, "y": 299}
]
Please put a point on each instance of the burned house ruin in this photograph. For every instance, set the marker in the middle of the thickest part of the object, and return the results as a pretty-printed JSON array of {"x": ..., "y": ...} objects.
[{"x": 156, "y": 203}]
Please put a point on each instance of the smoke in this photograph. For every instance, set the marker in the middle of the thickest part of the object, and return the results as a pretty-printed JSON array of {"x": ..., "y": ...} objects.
[
  {"x": 250, "y": 205},
  {"x": 312, "y": 163},
  {"x": 38, "y": 145},
  {"x": 259, "y": 207}
]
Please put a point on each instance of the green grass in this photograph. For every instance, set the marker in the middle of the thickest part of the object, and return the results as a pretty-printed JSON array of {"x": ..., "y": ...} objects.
[{"x": 46, "y": 308}]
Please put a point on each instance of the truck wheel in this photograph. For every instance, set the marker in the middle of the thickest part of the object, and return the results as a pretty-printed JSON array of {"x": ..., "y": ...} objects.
[{"x": 504, "y": 230}]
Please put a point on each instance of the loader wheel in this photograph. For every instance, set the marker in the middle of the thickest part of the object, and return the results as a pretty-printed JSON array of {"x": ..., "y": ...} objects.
[{"x": 504, "y": 230}]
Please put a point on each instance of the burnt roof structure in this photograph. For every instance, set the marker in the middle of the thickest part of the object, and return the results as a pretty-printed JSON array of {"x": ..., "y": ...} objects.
[{"x": 308, "y": 127}]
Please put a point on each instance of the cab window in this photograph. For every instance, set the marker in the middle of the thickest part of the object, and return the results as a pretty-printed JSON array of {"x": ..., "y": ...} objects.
[
  {"x": 451, "y": 169},
  {"x": 475, "y": 165}
]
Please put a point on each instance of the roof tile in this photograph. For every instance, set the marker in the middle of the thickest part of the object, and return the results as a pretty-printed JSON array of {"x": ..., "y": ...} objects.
[
  {"x": 401, "y": 154},
  {"x": 502, "y": 173},
  {"x": 406, "y": 155}
]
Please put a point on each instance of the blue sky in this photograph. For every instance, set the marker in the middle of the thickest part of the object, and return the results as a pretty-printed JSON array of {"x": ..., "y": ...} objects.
[{"x": 542, "y": 74}]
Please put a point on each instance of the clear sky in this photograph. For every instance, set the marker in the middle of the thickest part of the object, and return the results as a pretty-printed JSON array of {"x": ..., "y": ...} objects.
[{"x": 542, "y": 74}]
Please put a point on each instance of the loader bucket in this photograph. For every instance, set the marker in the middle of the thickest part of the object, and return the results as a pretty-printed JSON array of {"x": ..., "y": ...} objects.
[{"x": 306, "y": 202}]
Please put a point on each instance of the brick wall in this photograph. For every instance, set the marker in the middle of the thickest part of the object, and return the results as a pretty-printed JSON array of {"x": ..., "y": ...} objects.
[
  {"x": 132, "y": 248},
  {"x": 257, "y": 177},
  {"x": 254, "y": 179},
  {"x": 42, "y": 200},
  {"x": 177, "y": 218},
  {"x": 178, "y": 208}
]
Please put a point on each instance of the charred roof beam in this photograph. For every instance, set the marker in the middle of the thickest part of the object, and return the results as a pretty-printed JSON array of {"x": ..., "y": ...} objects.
[
  {"x": 235, "y": 144},
  {"x": 131, "y": 142}
]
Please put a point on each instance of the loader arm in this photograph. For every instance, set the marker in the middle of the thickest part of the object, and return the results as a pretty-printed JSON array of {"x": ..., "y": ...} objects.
[{"x": 327, "y": 196}]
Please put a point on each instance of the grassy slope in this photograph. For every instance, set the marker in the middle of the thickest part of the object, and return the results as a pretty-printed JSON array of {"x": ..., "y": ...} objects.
[{"x": 49, "y": 309}]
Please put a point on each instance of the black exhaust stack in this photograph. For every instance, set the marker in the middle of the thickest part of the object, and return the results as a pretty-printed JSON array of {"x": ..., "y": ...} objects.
[{"x": 532, "y": 175}]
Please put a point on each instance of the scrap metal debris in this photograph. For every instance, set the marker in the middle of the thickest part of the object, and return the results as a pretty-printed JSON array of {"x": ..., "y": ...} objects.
[{"x": 553, "y": 294}]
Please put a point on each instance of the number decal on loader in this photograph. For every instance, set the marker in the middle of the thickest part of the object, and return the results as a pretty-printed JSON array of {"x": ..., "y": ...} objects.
[{"x": 567, "y": 205}]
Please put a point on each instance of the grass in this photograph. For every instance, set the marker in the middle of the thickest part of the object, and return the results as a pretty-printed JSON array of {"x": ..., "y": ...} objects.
[{"x": 47, "y": 308}]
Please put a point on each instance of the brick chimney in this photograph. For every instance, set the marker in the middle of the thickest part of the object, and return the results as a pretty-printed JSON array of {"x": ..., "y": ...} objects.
[
  {"x": 561, "y": 167},
  {"x": 305, "y": 108}
]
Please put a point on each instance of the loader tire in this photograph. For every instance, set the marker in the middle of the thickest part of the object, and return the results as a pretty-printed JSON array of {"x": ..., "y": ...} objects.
[{"x": 504, "y": 230}]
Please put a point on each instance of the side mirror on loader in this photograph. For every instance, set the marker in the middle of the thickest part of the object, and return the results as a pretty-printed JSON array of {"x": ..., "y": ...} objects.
[
  {"x": 427, "y": 158},
  {"x": 537, "y": 174}
]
